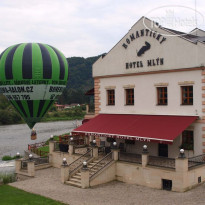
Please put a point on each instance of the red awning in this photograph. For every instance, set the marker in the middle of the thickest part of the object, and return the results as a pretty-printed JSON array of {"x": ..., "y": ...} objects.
[{"x": 146, "y": 128}]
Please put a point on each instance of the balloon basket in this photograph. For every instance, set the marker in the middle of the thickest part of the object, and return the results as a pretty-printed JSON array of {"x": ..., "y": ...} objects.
[{"x": 33, "y": 137}]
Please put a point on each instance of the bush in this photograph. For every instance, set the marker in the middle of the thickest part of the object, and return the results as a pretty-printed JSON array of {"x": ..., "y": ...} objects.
[
  {"x": 7, "y": 178},
  {"x": 6, "y": 158}
]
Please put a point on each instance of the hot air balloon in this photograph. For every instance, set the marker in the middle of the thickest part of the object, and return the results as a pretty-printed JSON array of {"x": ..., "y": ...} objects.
[{"x": 32, "y": 76}]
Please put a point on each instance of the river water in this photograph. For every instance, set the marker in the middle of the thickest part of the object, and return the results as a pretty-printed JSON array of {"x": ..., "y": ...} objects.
[{"x": 15, "y": 138}]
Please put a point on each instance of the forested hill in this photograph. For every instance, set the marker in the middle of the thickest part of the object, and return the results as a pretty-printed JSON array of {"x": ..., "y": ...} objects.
[{"x": 80, "y": 80}]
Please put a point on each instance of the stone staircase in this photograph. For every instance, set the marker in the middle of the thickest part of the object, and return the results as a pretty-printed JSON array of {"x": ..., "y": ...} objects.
[{"x": 75, "y": 180}]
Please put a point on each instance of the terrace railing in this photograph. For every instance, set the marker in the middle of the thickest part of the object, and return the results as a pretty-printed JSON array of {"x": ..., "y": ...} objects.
[
  {"x": 41, "y": 160},
  {"x": 36, "y": 145},
  {"x": 130, "y": 157},
  {"x": 196, "y": 161},
  {"x": 37, "y": 161},
  {"x": 153, "y": 161},
  {"x": 162, "y": 162},
  {"x": 39, "y": 152},
  {"x": 56, "y": 146},
  {"x": 78, "y": 163},
  {"x": 24, "y": 165},
  {"x": 104, "y": 162}
]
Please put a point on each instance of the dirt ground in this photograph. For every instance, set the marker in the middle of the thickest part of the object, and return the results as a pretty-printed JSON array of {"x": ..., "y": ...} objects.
[{"x": 47, "y": 183}]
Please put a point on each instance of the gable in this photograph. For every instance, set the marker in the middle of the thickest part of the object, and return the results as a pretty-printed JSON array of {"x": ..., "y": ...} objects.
[
  {"x": 198, "y": 32},
  {"x": 142, "y": 50}
]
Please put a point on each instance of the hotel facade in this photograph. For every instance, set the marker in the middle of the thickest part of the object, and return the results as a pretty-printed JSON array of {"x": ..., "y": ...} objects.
[{"x": 150, "y": 88}]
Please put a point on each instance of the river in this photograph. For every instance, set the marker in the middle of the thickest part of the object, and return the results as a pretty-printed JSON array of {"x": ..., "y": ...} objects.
[{"x": 15, "y": 138}]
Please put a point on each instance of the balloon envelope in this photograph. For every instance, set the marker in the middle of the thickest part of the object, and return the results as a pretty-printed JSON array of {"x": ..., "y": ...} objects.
[{"x": 32, "y": 76}]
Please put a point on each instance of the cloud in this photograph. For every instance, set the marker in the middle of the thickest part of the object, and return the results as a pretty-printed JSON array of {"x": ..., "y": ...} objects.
[{"x": 77, "y": 28}]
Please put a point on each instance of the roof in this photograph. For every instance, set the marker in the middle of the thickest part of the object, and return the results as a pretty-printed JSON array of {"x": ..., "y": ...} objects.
[
  {"x": 158, "y": 128},
  {"x": 191, "y": 37},
  {"x": 90, "y": 92}
]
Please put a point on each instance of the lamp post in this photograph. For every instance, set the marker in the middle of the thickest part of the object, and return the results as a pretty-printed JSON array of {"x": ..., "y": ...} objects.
[
  {"x": 17, "y": 155},
  {"x": 64, "y": 162},
  {"x": 145, "y": 150},
  {"x": 114, "y": 145},
  {"x": 94, "y": 143},
  {"x": 30, "y": 157},
  {"x": 181, "y": 153},
  {"x": 85, "y": 165}
]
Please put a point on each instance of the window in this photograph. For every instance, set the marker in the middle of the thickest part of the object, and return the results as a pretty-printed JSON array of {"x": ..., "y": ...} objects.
[
  {"x": 111, "y": 97},
  {"x": 129, "y": 96},
  {"x": 166, "y": 184},
  {"x": 187, "y": 95},
  {"x": 162, "y": 96},
  {"x": 187, "y": 140}
]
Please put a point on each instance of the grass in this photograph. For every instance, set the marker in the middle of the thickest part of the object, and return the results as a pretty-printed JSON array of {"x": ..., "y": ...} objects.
[
  {"x": 7, "y": 158},
  {"x": 44, "y": 148},
  {"x": 13, "y": 196},
  {"x": 66, "y": 118}
]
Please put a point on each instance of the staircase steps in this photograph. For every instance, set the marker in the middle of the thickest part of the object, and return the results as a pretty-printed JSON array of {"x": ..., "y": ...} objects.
[
  {"x": 71, "y": 183},
  {"x": 75, "y": 180}
]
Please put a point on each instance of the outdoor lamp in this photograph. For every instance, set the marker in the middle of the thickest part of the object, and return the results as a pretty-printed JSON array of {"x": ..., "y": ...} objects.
[
  {"x": 94, "y": 142},
  {"x": 64, "y": 161},
  {"x": 17, "y": 155},
  {"x": 115, "y": 145},
  {"x": 71, "y": 140},
  {"x": 84, "y": 165},
  {"x": 51, "y": 137},
  {"x": 144, "y": 149},
  {"x": 30, "y": 156},
  {"x": 181, "y": 154}
]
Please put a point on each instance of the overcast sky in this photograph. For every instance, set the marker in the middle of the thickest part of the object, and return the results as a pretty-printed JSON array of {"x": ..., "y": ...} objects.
[{"x": 83, "y": 27}]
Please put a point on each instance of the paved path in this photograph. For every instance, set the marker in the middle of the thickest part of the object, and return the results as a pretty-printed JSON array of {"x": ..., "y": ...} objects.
[{"x": 47, "y": 183}]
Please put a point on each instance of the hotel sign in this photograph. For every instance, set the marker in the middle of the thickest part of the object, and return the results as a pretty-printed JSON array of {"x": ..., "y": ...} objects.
[{"x": 147, "y": 46}]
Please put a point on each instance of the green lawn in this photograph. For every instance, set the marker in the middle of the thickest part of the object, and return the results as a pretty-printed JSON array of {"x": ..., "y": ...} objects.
[
  {"x": 44, "y": 148},
  {"x": 13, "y": 196}
]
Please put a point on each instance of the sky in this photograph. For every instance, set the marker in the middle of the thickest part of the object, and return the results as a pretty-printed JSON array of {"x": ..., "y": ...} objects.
[{"x": 87, "y": 28}]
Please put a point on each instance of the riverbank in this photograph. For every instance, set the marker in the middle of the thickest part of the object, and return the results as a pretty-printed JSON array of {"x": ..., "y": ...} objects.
[{"x": 9, "y": 116}]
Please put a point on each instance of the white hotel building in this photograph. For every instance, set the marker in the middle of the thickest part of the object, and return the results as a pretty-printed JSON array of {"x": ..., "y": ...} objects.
[
  {"x": 154, "y": 85},
  {"x": 149, "y": 89}
]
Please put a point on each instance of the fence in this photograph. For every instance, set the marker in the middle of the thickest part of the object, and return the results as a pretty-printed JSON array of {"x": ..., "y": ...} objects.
[
  {"x": 40, "y": 152},
  {"x": 77, "y": 164},
  {"x": 153, "y": 161},
  {"x": 37, "y": 161},
  {"x": 196, "y": 161},
  {"x": 161, "y": 162},
  {"x": 41, "y": 160},
  {"x": 24, "y": 164},
  {"x": 130, "y": 157},
  {"x": 100, "y": 165},
  {"x": 36, "y": 145},
  {"x": 56, "y": 146}
]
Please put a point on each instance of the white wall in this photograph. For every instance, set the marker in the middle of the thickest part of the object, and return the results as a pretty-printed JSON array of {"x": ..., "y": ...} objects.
[
  {"x": 176, "y": 51},
  {"x": 146, "y": 94},
  {"x": 146, "y": 103}
]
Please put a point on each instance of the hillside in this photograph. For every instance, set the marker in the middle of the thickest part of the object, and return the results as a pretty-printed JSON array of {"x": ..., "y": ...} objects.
[{"x": 80, "y": 80}]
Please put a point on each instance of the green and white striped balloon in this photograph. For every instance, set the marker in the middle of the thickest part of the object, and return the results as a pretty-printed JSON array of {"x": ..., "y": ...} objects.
[{"x": 32, "y": 76}]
